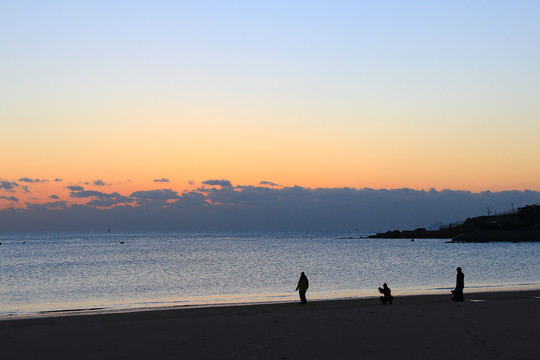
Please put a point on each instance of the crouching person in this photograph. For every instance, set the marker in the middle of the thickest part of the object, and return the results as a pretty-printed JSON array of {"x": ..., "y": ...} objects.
[{"x": 387, "y": 294}]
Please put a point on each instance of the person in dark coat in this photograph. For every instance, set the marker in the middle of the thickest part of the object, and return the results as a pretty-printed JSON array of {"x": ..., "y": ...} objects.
[
  {"x": 460, "y": 284},
  {"x": 387, "y": 294},
  {"x": 303, "y": 285}
]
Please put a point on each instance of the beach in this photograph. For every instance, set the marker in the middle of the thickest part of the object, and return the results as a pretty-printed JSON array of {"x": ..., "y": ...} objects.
[{"x": 491, "y": 325}]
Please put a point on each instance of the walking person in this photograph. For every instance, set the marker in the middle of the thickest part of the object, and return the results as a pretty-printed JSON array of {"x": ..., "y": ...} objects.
[
  {"x": 303, "y": 285},
  {"x": 460, "y": 284}
]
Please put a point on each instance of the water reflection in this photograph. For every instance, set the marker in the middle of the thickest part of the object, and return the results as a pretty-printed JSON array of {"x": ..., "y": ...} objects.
[{"x": 55, "y": 271}]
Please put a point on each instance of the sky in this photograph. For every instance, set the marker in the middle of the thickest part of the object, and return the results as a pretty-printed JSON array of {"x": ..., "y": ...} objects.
[{"x": 120, "y": 97}]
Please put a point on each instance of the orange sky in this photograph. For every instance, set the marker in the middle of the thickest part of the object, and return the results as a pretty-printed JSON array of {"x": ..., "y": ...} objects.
[{"x": 441, "y": 98}]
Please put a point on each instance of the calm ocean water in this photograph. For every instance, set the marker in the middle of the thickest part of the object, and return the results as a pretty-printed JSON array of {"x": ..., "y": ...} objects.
[{"x": 47, "y": 272}]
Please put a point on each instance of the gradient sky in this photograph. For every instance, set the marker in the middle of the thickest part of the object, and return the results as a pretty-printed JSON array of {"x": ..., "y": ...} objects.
[{"x": 393, "y": 94}]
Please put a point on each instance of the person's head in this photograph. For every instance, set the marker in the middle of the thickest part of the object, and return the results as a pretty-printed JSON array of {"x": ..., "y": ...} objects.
[
  {"x": 458, "y": 269},
  {"x": 384, "y": 285},
  {"x": 302, "y": 273}
]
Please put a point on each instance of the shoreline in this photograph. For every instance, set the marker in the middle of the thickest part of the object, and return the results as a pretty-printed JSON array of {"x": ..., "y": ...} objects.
[
  {"x": 499, "y": 325},
  {"x": 353, "y": 295}
]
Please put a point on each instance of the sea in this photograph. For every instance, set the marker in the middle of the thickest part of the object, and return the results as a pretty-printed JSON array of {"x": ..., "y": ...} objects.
[{"x": 55, "y": 273}]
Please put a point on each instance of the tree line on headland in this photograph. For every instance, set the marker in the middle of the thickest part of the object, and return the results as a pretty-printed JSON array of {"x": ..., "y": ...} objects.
[{"x": 516, "y": 226}]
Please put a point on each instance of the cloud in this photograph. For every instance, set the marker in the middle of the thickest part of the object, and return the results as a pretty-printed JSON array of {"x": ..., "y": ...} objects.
[
  {"x": 7, "y": 185},
  {"x": 58, "y": 180},
  {"x": 101, "y": 199},
  {"x": 75, "y": 188},
  {"x": 99, "y": 183},
  {"x": 56, "y": 205},
  {"x": 54, "y": 197},
  {"x": 299, "y": 208},
  {"x": 161, "y": 194},
  {"x": 268, "y": 183},
  {"x": 25, "y": 188},
  {"x": 9, "y": 198},
  {"x": 161, "y": 180},
  {"x": 109, "y": 201},
  {"x": 155, "y": 198},
  {"x": 222, "y": 183},
  {"x": 87, "y": 194},
  {"x": 263, "y": 208},
  {"x": 29, "y": 180},
  {"x": 191, "y": 182}
]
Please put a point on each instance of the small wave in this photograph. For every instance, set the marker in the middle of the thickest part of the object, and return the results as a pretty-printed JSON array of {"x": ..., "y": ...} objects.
[{"x": 69, "y": 310}]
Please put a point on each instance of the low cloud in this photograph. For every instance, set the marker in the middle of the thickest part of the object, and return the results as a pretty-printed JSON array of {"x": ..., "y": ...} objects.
[
  {"x": 75, "y": 188},
  {"x": 263, "y": 208},
  {"x": 222, "y": 183},
  {"x": 155, "y": 198},
  {"x": 87, "y": 194},
  {"x": 26, "y": 189},
  {"x": 54, "y": 197},
  {"x": 114, "y": 199},
  {"x": 9, "y": 198},
  {"x": 56, "y": 205},
  {"x": 29, "y": 180},
  {"x": 161, "y": 194},
  {"x": 100, "y": 199},
  {"x": 99, "y": 183},
  {"x": 268, "y": 183},
  {"x": 58, "y": 180},
  {"x": 164, "y": 180},
  {"x": 7, "y": 185},
  {"x": 369, "y": 210}
]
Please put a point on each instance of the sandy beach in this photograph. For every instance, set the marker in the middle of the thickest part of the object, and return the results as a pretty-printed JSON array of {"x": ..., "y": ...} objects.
[{"x": 498, "y": 325}]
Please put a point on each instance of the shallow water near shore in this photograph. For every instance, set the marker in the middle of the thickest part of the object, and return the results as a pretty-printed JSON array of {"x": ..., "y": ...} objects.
[{"x": 44, "y": 273}]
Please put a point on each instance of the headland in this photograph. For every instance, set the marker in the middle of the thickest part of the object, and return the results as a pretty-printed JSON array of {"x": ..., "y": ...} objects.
[{"x": 515, "y": 226}]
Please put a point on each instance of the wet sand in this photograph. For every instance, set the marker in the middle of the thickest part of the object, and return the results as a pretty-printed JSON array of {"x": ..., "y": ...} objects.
[{"x": 498, "y": 325}]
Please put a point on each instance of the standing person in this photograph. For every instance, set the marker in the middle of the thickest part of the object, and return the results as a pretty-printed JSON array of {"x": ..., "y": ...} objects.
[
  {"x": 460, "y": 284},
  {"x": 303, "y": 285},
  {"x": 385, "y": 290}
]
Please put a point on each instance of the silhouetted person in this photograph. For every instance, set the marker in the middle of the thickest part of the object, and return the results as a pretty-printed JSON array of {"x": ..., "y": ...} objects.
[
  {"x": 460, "y": 284},
  {"x": 387, "y": 294},
  {"x": 303, "y": 285}
]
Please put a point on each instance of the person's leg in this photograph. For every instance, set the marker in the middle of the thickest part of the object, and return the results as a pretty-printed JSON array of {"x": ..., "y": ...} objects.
[
  {"x": 303, "y": 297},
  {"x": 458, "y": 295},
  {"x": 383, "y": 300}
]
